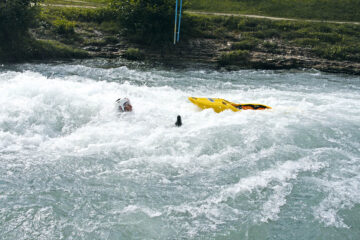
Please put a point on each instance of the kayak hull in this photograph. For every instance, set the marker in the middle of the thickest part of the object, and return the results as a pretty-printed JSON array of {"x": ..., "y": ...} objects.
[{"x": 219, "y": 104}]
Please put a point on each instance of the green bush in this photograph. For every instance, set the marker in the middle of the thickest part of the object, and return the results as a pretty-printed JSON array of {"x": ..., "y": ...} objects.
[
  {"x": 326, "y": 37},
  {"x": 325, "y": 40},
  {"x": 307, "y": 42},
  {"x": 110, "y": 27},
  {"x": 97, "y": 15},
  {"x": 146, "y": 21},
  {"x": 271, "y": 47},
  {"x": 95, "y": 42},
  {"x": 16, "y": 16},
  {"x": 247, "y": 24},
  {"x": 231, "y": 23},
  {"x": 338, "y": 52},
  {"x": 111, "y": 39},
  {"x": 48, "y": 49},
  {"x": 246, "y": 44},
  {"x": 330, "y": 52},
  {"x": 64, "y": 27},
  {"x": 133, "y": 54},
  {"x": 234, "y": 57},
  {"x": 269, "y": 33},
  {"x": 31, "y": 49},
  {"x": 287, "y": 25}
]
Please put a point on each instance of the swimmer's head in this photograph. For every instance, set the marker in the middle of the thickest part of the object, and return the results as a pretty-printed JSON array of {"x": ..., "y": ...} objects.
[{"x": 124, "y": 105}]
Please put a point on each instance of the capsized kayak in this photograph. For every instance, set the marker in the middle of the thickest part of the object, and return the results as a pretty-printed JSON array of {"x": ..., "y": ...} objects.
[{"x": 219, "y": 104}]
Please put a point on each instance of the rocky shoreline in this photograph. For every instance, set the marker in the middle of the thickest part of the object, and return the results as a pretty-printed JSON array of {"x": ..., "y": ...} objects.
[
  {"x": 208, "y": 51},
  {"x": 199, "y": 50}
]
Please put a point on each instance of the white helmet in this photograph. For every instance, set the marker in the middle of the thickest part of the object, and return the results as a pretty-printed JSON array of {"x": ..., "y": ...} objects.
[{"x": 122, "y": 102}]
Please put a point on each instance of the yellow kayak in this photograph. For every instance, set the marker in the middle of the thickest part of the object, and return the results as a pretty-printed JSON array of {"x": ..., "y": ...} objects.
[{"x": 220, "y": 105}]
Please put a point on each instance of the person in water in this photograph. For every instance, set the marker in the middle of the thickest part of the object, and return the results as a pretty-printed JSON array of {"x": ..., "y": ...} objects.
[
  {"x": 178, "y": 121},
  {"x": 124, "y": 105}
]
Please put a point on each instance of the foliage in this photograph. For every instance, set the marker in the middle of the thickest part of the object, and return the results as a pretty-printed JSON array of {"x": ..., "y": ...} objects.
[
  {"x": 16, "y": 16},
  {"x": 233, "y": 57},
  {"x": 271, "y": 47},
  {"x": 246, "y": 44},
  {"x": 133, "y": 54},
  {"x": 325, "y": 40},
  {"x": 110, "y": 27},
  {"x": 41, "y": 49},
  {"x": 344, "y": 10},
  {"x": 47, "y": 49},
  {"x": 86, "y": 3},
  {"x": 146, "y": 21},
  {"x": 97, "y": 15},
  {"x": 306, "y": 42},
  {"x": 111, "y": 40},
  {"x": 338, "y": 52},
  {"x": 64, "y": 27}
]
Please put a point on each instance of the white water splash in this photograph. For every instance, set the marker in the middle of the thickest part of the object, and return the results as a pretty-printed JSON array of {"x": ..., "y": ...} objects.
[{"x": 71, "y": 167}]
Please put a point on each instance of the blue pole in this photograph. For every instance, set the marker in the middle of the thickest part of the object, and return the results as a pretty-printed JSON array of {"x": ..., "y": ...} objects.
[
  {"x": 176, "y": 6},
  {"x": 178, "y": 34}
]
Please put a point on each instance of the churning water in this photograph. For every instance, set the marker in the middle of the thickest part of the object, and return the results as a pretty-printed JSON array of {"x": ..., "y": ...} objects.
[{"x": 71, "y": 167}]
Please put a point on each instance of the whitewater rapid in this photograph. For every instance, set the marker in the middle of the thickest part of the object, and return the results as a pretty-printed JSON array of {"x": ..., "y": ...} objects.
[{"x": 72, "y": 167}]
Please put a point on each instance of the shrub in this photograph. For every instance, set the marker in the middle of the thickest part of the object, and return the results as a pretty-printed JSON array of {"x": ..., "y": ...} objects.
[
  {"x": 146, "y": 21},
  {"x": 247, "y": 24},
  {"x": 47, "y": 49},
  {"x": 133, "y": 54},
  {"x": 95, "y": 42},
  {"x": 64, "y": 27},
  {"x": 16, "y": 16},
  {"x": 111, "y": 39},
  {"x": 245, "y": 44},
  {"x": 271, "y": 47},
  {"x": 269, "y": 33},
  {"x": 110, "y": 27},
  {"x": 97, "y": 15},
  {"x": 234, "y": 57},
  {"x": 338, "y": 52},
  {"x": 326, "y": 37},
  {"x": 42, "y": 49},
  {"x": 330, "y": 52},
  {"x": 307, "y": 42},
  {"x": 231, "y": 23}
]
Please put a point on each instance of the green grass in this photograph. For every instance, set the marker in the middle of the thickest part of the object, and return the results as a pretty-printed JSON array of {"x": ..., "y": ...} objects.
[
  {"x": 89, "y": 3},
  {"x": 64, "y": 27},
  {"x": 325, "y": 40},
  {"x": 30, "y": 49},
  {"x": 343, "y": 10},
  {"x": 246, "y": 44},
  {"x": 47, "y": 49},
  {"x": 234, "y": 57},
  {"x": 98, "y": 15},
  {"x": 133, "y": 54}
]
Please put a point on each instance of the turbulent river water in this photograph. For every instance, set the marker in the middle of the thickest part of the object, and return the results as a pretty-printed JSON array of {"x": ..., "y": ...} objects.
[{"x": 71, "y": 167}]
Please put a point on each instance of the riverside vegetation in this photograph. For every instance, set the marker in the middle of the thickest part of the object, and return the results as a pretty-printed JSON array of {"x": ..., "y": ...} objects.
[{"x": 142, "y": 30}]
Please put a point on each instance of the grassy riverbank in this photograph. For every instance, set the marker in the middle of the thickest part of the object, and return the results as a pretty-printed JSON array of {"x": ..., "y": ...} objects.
[
  {"x": 324, "y": 40},
  {"x": 237, "y": 40},
  {"x": 31, "y": 49},
  {"x": 344, "y": 10},
  {"x": 84, "y": 3},
  {"x": 93, "y": 30}
]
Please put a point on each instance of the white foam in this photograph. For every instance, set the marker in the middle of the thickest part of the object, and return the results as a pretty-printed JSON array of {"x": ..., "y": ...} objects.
[
  {"x": 130, "y": 209},
  {"x": 216, "y": 172}
]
